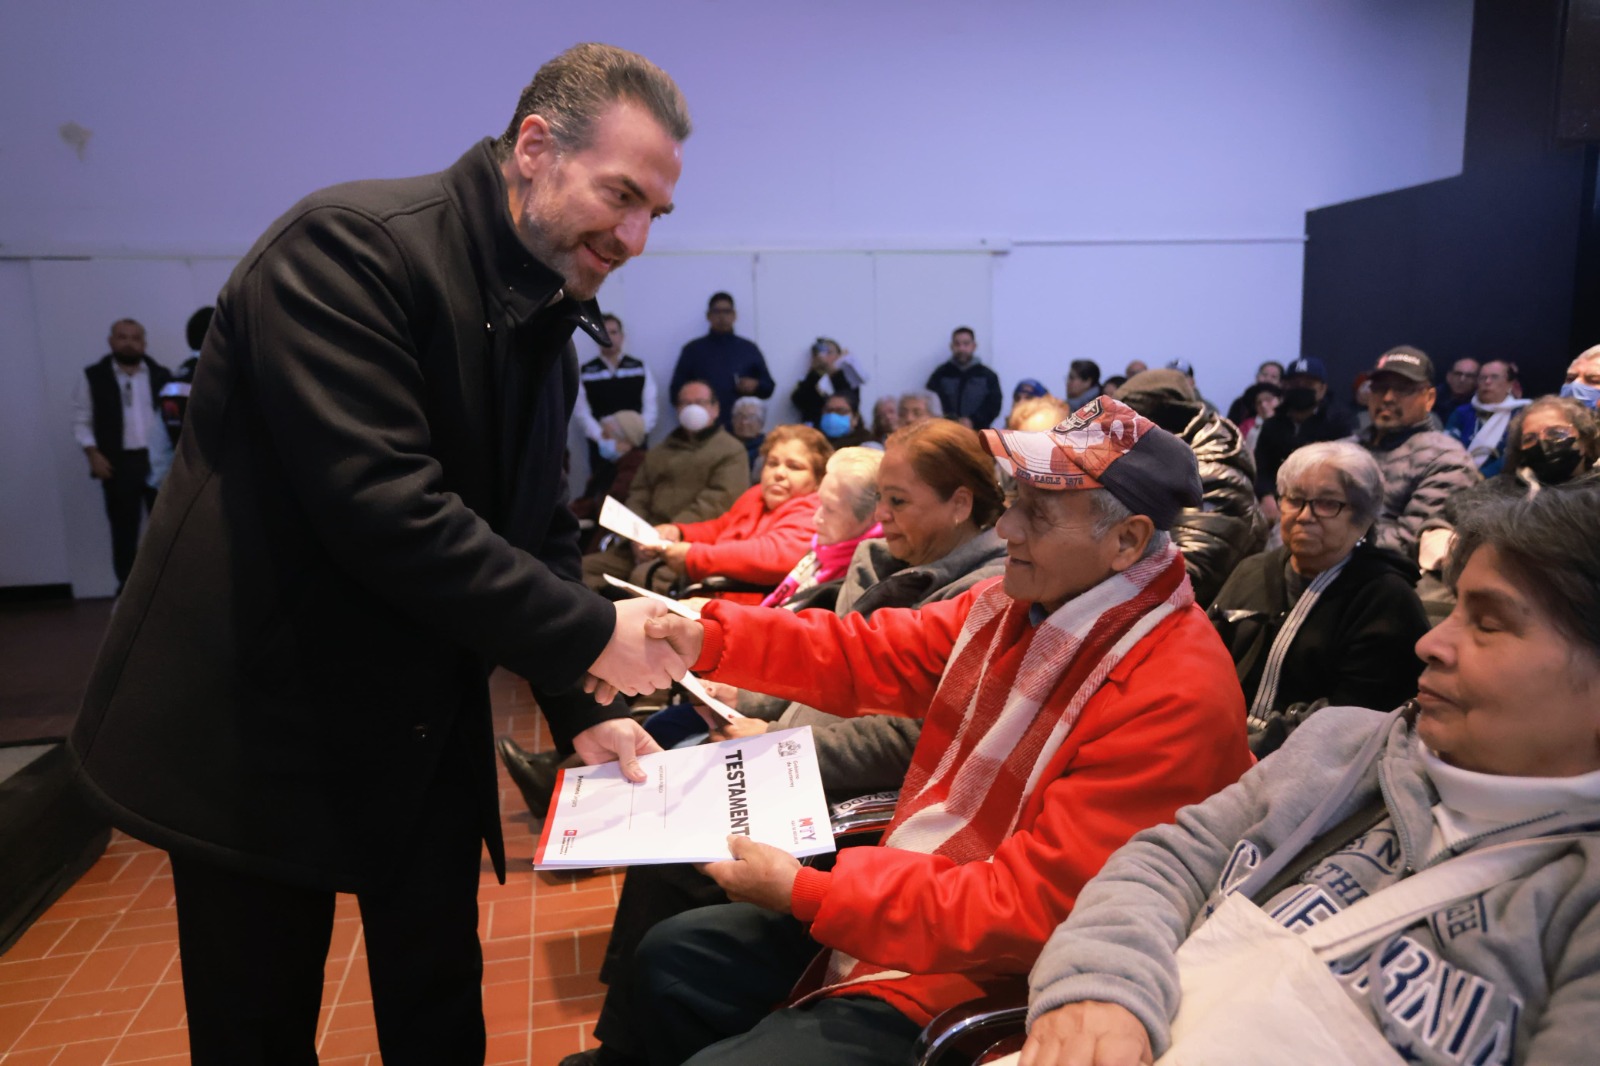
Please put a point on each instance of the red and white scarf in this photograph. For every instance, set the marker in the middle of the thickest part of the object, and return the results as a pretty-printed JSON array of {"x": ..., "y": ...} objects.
[{"x": 1008, "y": 698}]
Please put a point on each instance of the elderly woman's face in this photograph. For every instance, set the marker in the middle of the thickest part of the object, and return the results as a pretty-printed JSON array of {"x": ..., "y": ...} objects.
[
  {"x": 1317, "y": 541},
  {"x": 746, "y": 423},
  {"x": 918, "y": 526},
  {"x": 836, "y": 518},
  {"x": 1503, "y": 691},
  {"x": 788, "y": 473}
]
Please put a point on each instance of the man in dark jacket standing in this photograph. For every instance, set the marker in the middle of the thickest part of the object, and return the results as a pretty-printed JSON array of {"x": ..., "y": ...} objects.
[
  {"x": 116, "y": 415},
  {"x": 731, "y": 365},
  {"x": 969, "y": 391},
  {"x": 367, "y": 515}
]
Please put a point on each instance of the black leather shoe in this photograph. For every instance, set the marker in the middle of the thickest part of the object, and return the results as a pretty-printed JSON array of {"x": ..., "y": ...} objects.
[{"x": 534, "y": 775}]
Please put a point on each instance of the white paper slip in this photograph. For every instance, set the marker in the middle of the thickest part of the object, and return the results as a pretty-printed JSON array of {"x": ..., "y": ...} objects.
[
  {"x": 766, "y": 788},
  {"x": 617, "y": 518},
  {"x": 675, "y": 606},
  {"x": 698, "y": 691}
]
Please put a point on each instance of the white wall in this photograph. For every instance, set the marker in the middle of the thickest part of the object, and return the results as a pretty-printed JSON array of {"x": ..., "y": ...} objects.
[{"x": 1073, "y": 179}]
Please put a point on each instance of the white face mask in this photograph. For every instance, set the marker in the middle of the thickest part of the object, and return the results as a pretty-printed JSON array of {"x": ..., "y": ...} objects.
[{"x": 693, "y": 418}]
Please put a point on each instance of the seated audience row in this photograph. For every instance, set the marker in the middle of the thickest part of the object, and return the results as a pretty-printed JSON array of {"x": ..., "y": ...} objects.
[{"x": 925, "y": 920}]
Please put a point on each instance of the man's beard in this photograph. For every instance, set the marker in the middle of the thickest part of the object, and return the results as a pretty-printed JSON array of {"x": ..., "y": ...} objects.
[
  {"x": 561, "y": 253},
  {"x": 128, "y": 358}
]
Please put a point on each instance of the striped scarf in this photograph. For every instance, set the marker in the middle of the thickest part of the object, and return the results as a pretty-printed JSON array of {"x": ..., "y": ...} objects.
[
  {"x": 1271, "y": 674},
  {"x": 1008, "y": 698}
]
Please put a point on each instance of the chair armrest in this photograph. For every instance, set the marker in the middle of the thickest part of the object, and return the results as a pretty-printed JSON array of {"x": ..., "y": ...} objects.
[{"x": 966, "y": 1032}]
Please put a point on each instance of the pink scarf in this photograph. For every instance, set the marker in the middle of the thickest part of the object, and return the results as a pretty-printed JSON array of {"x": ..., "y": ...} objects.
[
  {"x": 821, "y": 564},
  {"x": 1010, "y": 694}
]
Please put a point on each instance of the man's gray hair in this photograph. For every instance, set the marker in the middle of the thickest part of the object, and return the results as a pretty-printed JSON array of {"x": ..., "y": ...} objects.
[
  {"x": 855, "y": 471},
  {"x": 1109, "y": 512},
  {"x": 930, "y": 398},
  {"x": 1356, "y": 468},
  {"x": 572, "y": 90}
]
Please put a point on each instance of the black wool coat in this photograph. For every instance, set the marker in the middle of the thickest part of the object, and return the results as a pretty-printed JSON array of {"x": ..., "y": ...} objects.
[
  {"x": 366, "y": 514},
  {"x": 1354, "y": 649}
]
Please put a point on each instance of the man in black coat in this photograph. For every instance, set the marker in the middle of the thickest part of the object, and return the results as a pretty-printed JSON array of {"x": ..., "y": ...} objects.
[
  {"x": 116, "y": 415},
  {"x": 366, "y": 516}
]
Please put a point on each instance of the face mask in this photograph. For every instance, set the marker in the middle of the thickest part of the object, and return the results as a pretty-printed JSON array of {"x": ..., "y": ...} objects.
[
  {"x": 1553, "y": 460},
  {"x": 1299, "y": 399},
  {"x": 834, "y": 424},
  {"x": 694, "y": 418},
  {"x": 1588, "y": 395},
  {"x": 607, "y": 449}
]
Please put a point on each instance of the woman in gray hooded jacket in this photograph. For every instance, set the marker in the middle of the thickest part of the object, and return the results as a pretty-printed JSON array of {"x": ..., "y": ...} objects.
[{"x": 1502, "y": 744}]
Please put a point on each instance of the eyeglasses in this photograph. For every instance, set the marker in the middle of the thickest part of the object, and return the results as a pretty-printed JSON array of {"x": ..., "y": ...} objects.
[
  {"x": 1399, "y": 388},
  {"x": 1322, "y": 507},
  {"x": 1549, "y": 434}
]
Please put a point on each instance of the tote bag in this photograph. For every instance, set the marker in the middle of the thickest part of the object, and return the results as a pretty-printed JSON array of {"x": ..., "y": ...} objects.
[{"x": 1257, "y": 994}]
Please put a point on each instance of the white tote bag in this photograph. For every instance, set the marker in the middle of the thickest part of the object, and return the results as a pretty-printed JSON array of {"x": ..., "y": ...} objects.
[{"x": 1257, "y": 994}]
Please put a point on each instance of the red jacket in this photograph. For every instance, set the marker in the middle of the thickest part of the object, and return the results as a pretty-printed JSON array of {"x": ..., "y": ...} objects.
[
  {"x": 750, "y": 543},
  {"x": 1165, "y": 730}
]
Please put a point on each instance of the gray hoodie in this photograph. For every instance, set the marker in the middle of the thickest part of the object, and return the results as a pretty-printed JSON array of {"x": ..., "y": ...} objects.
[{"x": 1509, "y": 976}]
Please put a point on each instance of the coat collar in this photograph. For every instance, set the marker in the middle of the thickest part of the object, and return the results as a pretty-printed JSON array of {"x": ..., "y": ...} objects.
[{"x": 521, "y": 285}]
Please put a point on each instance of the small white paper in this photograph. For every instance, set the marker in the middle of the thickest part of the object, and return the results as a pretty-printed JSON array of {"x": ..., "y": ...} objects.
[
  {"x": 675, "y": 606},
  {"x": 718, "y": 708},
  {"x": 765, "y": 787},
  {"x": 616, "y": 517}
]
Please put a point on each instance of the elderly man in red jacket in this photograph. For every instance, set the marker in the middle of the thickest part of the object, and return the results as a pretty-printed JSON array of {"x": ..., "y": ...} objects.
[{"x": 1073, "y": 702}]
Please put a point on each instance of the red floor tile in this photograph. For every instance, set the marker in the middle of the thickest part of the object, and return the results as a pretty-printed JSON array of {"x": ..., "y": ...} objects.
[{"x": 95, "y": 982}]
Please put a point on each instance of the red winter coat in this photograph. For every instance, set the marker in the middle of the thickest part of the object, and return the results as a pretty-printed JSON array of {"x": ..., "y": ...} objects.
[
  {"x": 1165, "y": 730},
  {"x": 751, "y": 543}
]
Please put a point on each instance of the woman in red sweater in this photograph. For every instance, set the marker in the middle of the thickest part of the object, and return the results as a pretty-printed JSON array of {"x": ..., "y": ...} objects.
[{"x": 767, "y": 529}]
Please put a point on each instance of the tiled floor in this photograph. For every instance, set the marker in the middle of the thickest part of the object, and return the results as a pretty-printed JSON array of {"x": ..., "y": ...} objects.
[{"x": 95, "y": 980}]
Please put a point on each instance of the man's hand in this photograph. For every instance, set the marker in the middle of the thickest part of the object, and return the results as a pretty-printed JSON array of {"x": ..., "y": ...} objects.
[
  {"x": 619, "y": 740},
  {"x": 746, "y": 386},
  {"x": 1090, "y": 1033},
  {"x": 634, "y": 661},
  {"x": 686, "y": 635},
  {"x": 757, "y": 873},
  {"x": 669, "y": 531},
  {"x": 99, "y": 465}
]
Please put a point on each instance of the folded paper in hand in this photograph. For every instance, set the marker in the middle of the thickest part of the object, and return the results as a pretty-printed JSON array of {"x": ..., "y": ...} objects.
[
  {"x": 716, "y": 706},
  {"x": 765, "y": 787},
  {"x": 617, "y": 518},
  {"x": 675, "y": 606}
]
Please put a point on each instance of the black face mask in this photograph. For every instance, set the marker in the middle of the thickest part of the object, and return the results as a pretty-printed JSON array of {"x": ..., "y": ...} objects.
[
  {"x": 1300, "y": 399},
  {"x": 1553, "y": 460}
]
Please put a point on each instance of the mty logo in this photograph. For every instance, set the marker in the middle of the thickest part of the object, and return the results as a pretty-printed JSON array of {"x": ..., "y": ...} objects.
[{"x": 805, "y": 829}]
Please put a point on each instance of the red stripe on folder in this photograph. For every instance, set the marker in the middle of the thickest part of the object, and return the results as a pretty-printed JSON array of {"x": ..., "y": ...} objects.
[{"x": 549, "y": 820}]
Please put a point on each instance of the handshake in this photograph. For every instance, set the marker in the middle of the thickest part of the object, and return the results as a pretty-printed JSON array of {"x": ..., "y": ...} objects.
[{"x": 650, "y": 648}]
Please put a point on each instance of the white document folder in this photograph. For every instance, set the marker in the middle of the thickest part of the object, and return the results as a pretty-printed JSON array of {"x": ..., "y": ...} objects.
[{"x": 765, "y": 787}]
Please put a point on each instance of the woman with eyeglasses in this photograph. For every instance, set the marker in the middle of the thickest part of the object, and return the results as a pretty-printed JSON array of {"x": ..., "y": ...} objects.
[
  {"x": 1329, "y": 615},
  {"x": 1552, "y": 441}
]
